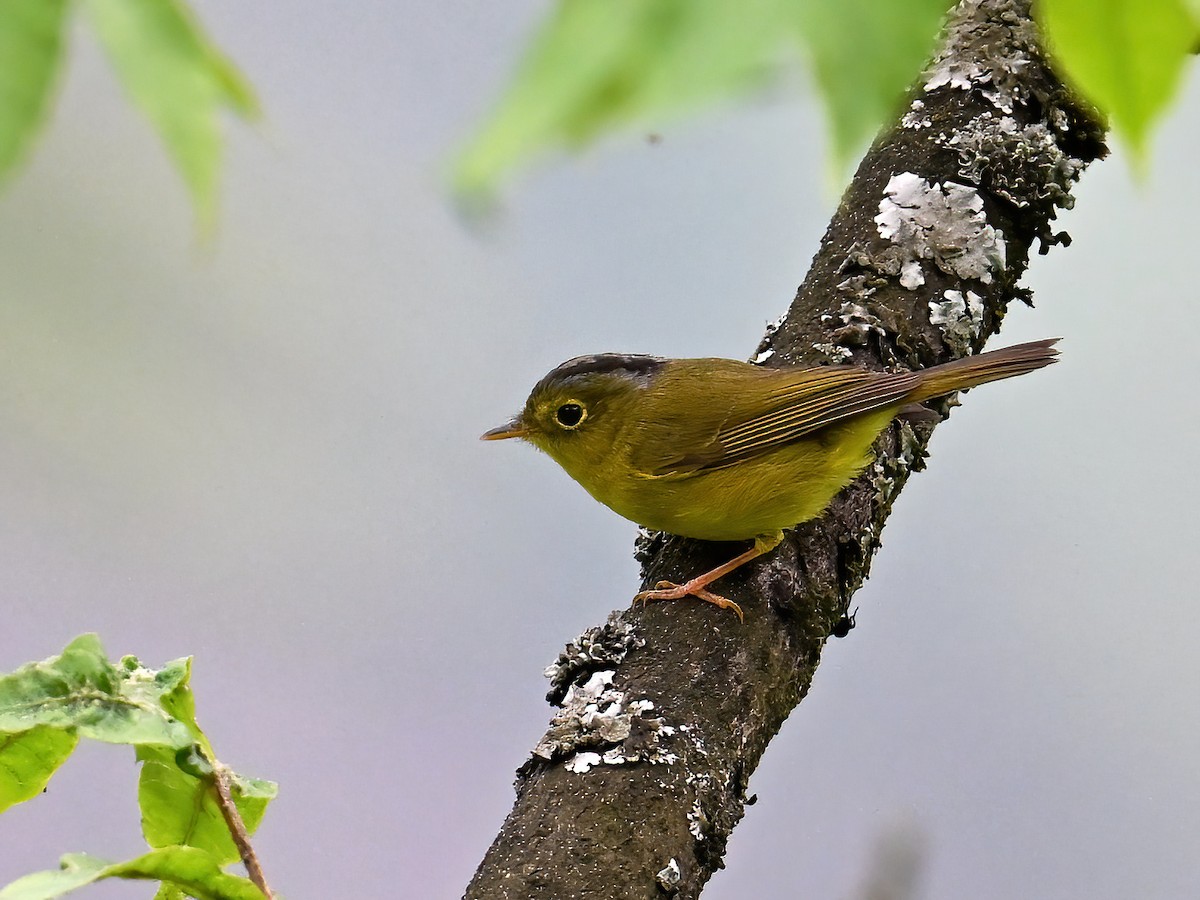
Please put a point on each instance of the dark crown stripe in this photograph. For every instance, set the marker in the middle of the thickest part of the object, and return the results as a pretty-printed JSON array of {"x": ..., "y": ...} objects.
[{"x": 636, "y": 365}]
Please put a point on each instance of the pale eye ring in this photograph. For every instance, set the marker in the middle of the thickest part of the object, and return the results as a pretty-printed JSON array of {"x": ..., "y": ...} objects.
[{"x": 570, "y": 415}]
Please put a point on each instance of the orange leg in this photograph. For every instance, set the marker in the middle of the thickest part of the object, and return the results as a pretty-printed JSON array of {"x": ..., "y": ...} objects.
[{"x": 697, "y": 587}]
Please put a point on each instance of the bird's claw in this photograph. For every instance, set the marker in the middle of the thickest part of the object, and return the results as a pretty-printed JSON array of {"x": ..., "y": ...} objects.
[{"x": 668, "y": 590}]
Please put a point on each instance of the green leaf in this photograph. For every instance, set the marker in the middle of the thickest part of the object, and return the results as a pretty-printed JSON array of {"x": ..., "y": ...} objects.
[
  {"x": 176, "y": 697},
  {"x": 599, "y": 64},
  {"x": 178, "y": 802},
  {"x": 180, "y": 80},
  {"x": 82, "y": 692},
  {"x": 45, "y": 706},
  {"x": 1125, "y": 56},
  {"x": 28, "y": 759},
  {"x": 30, "y": 58},
  {"x": 192, "y": 871},
  {"x": 865, "y": 54},
  {"x": 179, "y": 808}
]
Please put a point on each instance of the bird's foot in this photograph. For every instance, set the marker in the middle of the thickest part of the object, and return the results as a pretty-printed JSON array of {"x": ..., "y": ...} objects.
[{"x": 668, "y": 590}]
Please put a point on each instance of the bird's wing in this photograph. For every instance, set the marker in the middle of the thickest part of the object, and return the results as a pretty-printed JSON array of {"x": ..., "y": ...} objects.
[{"x": 786, "y": 409}]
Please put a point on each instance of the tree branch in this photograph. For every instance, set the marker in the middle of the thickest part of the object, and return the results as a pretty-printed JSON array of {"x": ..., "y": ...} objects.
[
  {"x": 222, "y": 779},
  {"x": 635, "y": 788}
]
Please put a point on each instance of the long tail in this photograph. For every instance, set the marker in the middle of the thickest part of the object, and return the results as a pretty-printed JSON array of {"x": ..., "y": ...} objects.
[{"x": 991, "y": 366}]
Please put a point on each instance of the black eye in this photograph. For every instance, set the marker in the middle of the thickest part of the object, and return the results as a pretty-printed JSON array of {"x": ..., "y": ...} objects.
[{"x": 569, "y": 415}]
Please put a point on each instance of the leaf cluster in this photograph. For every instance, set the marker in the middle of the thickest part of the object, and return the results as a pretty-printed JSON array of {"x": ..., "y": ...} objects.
[{"x": 46, "y": 707}]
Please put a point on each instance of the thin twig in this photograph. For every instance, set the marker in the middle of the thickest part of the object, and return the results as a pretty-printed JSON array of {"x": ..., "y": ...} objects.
[{"x": 237, "y": 828}]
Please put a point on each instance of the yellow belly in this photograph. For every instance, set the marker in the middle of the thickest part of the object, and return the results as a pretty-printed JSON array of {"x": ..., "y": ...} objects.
[{"x": 759, "y": 496}]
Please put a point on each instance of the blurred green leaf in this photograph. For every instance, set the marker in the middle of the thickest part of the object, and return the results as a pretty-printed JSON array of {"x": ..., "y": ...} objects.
[
  {"x": 193, "y": 871},
  {"x": 865, "y": 55},
  {"x": 180, "y": 80},
  {"x": 80, "y": 691},
  {"x": 1125, "y": 56},
  {"x": 30, "y": 58},
  {"x": 602, "y": 64},
  {"x": 28, "y": 759},
  {"x": 76, "y": 870}
]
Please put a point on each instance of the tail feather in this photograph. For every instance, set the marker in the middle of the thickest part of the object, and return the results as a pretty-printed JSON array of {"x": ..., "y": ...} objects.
[{"x": 994, "y": 365}]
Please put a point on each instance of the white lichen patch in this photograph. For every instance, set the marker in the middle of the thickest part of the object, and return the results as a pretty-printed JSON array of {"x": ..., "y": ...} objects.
[
  {"x": 599, "y": 725},
  {"x": 858, "y": 323},
  {"x": 765, "y": 351},
  {"x": 960, "y": 318},
  {"x": 1021, "y": 164},
  {"x": 697, "y": 820},
  {"x": 668, "y": 877},
  {"x": 601, "y": 647},
  {"x": 911, "y": 275},
  {"x": 856, "y": 286},
  {"x": 987, "y": 49},
  {"x": 646, "y": 546},
  {"x": 956, "y": 72},
  {"x": 941, "y": 222},
  {"x": 916, "y": 119},
  {"x": 887, "y": 472},
  {"x": 883, "y": 482},
  {"x": 833, "y": 352},
  {"x": 581, "y": 762},
  {"x": 910, "y": 452}
]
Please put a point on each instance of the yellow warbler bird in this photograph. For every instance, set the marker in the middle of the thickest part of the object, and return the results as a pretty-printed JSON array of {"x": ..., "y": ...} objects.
[{"x": 723, "y": 450}]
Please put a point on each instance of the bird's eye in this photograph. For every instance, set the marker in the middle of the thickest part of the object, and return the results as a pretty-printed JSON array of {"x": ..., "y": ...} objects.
[{"x": 570, "y": 414}]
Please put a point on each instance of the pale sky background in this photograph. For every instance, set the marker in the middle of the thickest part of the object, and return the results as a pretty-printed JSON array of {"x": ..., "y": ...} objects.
[{"x": 263, "y": 452}]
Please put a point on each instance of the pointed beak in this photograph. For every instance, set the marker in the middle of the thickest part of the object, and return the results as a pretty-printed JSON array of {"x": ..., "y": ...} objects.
[{"x": 513, "y": 429}]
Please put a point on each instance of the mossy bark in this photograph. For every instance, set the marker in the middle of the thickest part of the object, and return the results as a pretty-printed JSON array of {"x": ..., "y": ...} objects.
[{"x": 652, "y": 818}]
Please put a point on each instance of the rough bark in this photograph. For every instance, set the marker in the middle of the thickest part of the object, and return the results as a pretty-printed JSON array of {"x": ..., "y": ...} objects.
[{"x": 635, "y": 788}]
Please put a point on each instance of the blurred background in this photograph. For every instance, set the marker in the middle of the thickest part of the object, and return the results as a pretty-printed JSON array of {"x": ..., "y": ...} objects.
[{"x": 262, "y": 451}]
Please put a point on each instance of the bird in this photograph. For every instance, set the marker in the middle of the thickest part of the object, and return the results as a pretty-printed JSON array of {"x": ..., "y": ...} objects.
[{"x": 724, "y": 450}]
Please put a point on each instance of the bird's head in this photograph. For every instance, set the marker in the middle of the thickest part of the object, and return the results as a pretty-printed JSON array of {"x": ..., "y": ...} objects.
[{"x": 575, "y": 412}]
